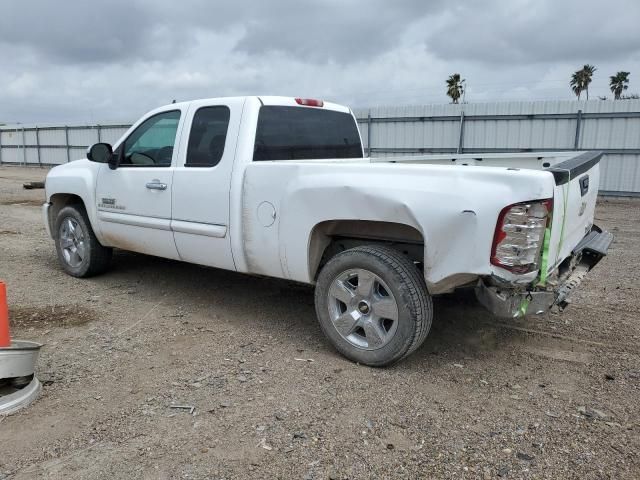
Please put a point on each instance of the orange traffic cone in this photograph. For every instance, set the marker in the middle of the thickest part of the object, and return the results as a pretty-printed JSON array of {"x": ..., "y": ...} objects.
[{"x": 5, "y": 340}]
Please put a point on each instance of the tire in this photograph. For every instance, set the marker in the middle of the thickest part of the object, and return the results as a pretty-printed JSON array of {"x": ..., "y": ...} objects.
[
  {"x": 79, "y": 252},
  {"x": 372, "y": 304}
]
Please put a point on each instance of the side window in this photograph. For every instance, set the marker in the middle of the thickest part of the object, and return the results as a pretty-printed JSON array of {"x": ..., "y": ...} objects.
[
  {"x": 151, "y": 144},
  {"x": 207, "y": 137}
]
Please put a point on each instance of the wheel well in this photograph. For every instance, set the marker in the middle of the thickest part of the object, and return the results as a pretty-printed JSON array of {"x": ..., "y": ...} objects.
[
  {"x": 58, "y": 202},
  {"x": 332, "y": 237}
]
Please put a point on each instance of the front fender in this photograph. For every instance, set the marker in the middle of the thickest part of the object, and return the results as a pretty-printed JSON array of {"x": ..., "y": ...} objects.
[{"x": 76, "y": 178}]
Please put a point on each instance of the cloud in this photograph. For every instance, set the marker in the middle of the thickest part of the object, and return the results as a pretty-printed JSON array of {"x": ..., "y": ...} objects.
[
  {"x": 534, "y": 31},
  {"x": 343, "y": 32},
  {"x": 100, "y": 61},
  {"x": 78, "y": 31}
]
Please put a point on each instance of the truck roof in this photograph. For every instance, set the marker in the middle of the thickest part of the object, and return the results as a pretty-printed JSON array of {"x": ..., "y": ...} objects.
[{"x": 274, "y": 100}]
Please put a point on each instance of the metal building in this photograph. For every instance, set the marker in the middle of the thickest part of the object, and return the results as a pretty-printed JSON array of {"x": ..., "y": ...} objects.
[{"x": 610, "y": 126}]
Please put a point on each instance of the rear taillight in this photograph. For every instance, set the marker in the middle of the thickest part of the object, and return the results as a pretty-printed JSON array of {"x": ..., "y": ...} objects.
[
  {"x": 520, "y": 234},
  {"x": 309, "y": 102}
]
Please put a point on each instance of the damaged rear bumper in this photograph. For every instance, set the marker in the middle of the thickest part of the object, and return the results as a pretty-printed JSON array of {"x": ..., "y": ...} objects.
[
  {"x": 503, "y": 300},
  {"x": 508, "y": 303}
]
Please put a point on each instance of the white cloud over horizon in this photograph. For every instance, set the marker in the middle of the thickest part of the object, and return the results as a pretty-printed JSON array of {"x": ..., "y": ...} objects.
[{"x": 102, "y": 61}]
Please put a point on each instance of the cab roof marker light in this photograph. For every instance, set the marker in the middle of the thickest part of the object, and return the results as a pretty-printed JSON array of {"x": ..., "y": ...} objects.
[{"x": 309, "y": 102}]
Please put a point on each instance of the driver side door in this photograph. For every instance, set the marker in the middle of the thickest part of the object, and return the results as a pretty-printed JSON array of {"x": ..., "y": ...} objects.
[{"x": 134, "y": 200}]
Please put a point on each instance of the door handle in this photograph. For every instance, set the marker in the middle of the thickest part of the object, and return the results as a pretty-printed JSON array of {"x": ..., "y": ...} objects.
[{"x": 156, "y": 185}]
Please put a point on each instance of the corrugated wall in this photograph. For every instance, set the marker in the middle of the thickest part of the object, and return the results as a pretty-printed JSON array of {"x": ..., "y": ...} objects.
[
  {"x": 52, "y": 144},
  {"x": 611, "y": 126}
]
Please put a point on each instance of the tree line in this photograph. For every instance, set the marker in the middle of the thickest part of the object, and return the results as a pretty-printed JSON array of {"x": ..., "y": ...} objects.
[{"x": 579, "y": 83}]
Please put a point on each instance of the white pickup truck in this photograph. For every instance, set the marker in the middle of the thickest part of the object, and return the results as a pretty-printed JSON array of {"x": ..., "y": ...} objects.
[{"x": 280, "y": 187}]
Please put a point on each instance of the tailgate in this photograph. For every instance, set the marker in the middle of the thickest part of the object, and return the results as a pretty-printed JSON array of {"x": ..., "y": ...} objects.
[{"x": 574, "y": 204}]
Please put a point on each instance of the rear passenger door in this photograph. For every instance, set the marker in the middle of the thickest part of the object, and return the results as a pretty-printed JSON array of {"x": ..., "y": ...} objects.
[{"x": 202, "y": 181}]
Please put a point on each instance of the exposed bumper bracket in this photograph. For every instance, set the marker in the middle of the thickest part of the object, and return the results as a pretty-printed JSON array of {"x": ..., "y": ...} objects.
[
  {"x": 510, "y": 303},
  {"x": 507, "y": 303}
]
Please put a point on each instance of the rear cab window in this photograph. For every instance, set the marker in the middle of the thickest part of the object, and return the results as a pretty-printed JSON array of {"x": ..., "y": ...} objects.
[{"x": 305, "y": 133}]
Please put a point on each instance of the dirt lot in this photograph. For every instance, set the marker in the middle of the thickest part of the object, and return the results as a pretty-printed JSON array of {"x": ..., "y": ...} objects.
[{"x": 552, "y": 397}]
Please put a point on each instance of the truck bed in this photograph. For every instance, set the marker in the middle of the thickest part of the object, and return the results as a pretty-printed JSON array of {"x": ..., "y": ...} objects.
[
  {"x": 576, "y": 175},
  {"x": 530, "y": 161}
]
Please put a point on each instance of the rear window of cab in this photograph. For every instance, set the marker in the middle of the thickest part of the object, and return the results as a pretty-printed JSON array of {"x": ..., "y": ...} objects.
[{"x": 301, "y": 133}]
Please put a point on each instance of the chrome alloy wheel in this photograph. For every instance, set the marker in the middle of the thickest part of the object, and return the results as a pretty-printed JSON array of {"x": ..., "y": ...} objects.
[
  {"x": 363, "y": 309},
  {"x": 72, "y": 242}
]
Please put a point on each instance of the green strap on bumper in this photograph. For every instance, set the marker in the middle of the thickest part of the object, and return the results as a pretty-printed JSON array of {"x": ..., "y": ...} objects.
[
  {"x": 544, "y": 264},
  {"x": 524, "y": 305},
  {"x": 565, "y": 201},
  {"x": 542, "y": 279}
]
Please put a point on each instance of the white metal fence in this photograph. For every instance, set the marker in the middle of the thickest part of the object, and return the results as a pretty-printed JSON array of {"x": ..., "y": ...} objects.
[
  {"x": 610, "y": 126},
  {"x": 52, "y": 145}
]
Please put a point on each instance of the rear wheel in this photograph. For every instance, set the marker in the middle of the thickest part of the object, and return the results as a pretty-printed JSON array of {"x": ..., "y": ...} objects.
[
  {"x": 79, "y": 252},
  {"x": 372, "y": 304}
]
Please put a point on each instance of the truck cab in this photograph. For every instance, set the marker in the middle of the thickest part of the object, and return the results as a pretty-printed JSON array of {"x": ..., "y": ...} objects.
[{"x": 167, "y": 190}]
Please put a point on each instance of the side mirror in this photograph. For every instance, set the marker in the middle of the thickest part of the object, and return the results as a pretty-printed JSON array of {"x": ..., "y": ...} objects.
[{"x": 100, "y": 153}]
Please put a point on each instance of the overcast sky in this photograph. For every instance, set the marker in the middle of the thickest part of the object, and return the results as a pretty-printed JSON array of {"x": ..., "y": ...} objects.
[{"x": 81, "y": 61}]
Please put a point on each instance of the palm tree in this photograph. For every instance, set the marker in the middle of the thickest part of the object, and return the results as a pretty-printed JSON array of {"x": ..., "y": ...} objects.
[
  {"x": 618, "y": 84},
  {"x": 581, "y": 79},
  {"x": 587, "y": 73},
  {"x": 455, "y": 87},
  {"x": 576, "y": 83}
]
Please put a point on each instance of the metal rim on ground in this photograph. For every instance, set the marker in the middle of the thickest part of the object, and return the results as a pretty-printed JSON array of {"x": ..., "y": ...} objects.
[
  {"x": 19, "y": 359},
  {"x": 21, "y": 398}
]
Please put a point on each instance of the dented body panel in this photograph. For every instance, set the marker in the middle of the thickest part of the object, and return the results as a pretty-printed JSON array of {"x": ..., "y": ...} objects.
[{"x": 454, "y": 208}]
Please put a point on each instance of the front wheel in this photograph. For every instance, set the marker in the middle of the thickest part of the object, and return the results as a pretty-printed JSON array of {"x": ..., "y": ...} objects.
[
  {"x": 79, "y": 252},
  {"x": 373, "y": 305}
]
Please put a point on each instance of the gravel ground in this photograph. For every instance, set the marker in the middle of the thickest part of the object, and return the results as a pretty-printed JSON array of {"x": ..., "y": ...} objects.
[{"x": 551, "y": 397}]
